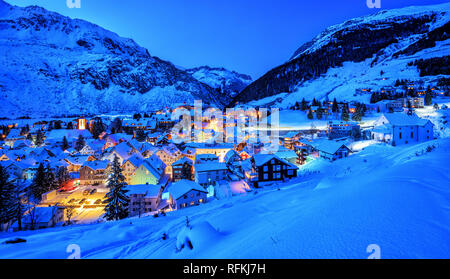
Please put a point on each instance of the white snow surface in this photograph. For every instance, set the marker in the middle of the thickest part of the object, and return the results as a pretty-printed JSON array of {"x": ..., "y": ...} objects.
[{"x": 395, "y": 197}]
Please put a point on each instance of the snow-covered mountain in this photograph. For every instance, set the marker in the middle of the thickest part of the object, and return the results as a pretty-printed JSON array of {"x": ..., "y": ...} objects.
[
  {"x": 226, "y": 82},
  {"x": 54, "y": 65},
  {"x": 370, "y": 51}
]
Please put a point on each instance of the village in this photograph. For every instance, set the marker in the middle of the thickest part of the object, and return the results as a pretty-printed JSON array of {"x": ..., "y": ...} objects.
[{"x": 72, "y": 158}]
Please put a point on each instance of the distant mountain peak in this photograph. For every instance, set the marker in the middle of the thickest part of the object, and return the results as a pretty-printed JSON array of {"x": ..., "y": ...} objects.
[
  {"x": 69, "y": 66},
  {"x": 370, "y": 51}
]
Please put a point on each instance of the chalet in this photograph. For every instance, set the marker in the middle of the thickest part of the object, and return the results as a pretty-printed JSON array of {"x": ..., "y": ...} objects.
[
  {"x": 75, "y": 162},
  {"x": 217, "y": 149},
  {"x": 266, "y": 168},
  {"x": 208, "y": 173},
  {"x": 130, "y": 166},
  {"x": 182, "y": 169},
  {"x": 185, "y": 193},
  {"x": 13, "y": 136},
  {"x": 169, "y": 154},
  {"x": 94, "y": 173},
  {"x": 401, "y": 128},
  {"x": 290, "y": 139},
  {"x": 122, "y": 151},
  {"x": 143, "y": 198},
  {"x": 115, "y": 139},
  {"x": 332, "y": 150},
  {"x": 151, "y": 171}
]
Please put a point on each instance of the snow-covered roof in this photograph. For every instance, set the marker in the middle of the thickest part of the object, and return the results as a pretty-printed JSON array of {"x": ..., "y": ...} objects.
[
  {"x": 403, "y": 119},
  {"x": 77, "y": 160},
  {"x": 210, "y": 166},
  {"x": 329, "y": 146},
  {"x": 148, "y": 190},
  {"x": 69, "y": 134},
  {"x": 136, "y": 160},
  {"x": 96, "y": 165},
  {"x": 178, "y": 189},
  {"x": 182, "y": 161}
]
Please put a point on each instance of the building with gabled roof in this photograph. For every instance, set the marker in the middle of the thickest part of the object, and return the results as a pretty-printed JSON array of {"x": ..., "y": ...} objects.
[
  {"x": 402, "y": 128},
  {"x": 185, "y": 193},
  {"x": 151, "y": 171}
]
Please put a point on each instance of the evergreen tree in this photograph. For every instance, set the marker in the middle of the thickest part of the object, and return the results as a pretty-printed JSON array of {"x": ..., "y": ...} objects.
[
  {"x": 6, "y": 197},
  {"x": 428, "y": 98},
  {"x": 335, "y": 107},
  {"x": 117, "y": 199},
  {"x": 345, "y": 114},
  {"x": 97, "y": 128},
  {"x": 39, "y": 140},
  {"x": 319, "y": 112},
  {"x": 310, "y": 115},
  {"x": 51, "y": 183},
  {"x": 65, "y": 144},
  {"x": 357, "y": 115},
  {"x": 70, "y": 125},
  {"x": 17, "y": 206},
  {"x": 62, "y": 175},
  {"x": 140, "y": 135},
  {"x": 304, "y": 105},
  {"x": 80, "y": 143},
  {"x": 38, "y": 187}
]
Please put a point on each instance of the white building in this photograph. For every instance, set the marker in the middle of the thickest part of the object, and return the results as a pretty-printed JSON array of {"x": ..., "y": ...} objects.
[
  {"x": 401, "y": 128},
  {"x": 185, "y": 193},
  {"x": 208, "y": 173}
]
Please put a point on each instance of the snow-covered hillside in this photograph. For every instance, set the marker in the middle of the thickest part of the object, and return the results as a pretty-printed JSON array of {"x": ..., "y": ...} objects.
[
  {"x": 394, "y": 197},
  {"x": 226, "y": 82},
  {"x": 54, "y": 65},
  {"x": 367, "y": 52}
]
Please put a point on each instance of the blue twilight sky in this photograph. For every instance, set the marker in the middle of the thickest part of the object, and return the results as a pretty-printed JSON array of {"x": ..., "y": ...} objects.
[{"x": 248, "y": 36}]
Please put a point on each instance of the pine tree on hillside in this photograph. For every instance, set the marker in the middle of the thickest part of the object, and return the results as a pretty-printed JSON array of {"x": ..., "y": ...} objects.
[
  {"x": 65, "y": 144},
  {"x": 428, "y": 98},
  {"x": 62, "y": 175},
  {"x": 345, "y": 114},
  {"x": 335, "y": 107},
  {"x": 117, "y": 199},
  {"x": 39, "y": 185},
  {"x": 303, "y": 105},
  {"x": 310, "y": 115},
  {"x": 80, "y": 143},
  {"x": 17, "y": 207},
  {"x": 6, "y": 197},
  {"x": 51, "y": 183},
  {"x": 39, "y": 140},
  {"x": 357, "y": 115}
]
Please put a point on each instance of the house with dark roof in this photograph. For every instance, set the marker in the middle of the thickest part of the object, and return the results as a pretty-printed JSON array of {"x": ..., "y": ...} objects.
[{"x": 267, "y": 168}]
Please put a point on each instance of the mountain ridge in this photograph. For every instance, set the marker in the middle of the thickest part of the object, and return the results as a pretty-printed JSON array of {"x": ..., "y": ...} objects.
[
  {"x": 365, "y": 42},
  {"x": 71, "y": 66}
]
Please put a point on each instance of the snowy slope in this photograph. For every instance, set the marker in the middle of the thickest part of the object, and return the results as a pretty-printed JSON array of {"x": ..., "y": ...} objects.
[
  {"x": 353, "y": 55},
  {"x": 396, "y": 198},
  {"x": 53, "y": 65},
  {"x": 226, "y": 82}
]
